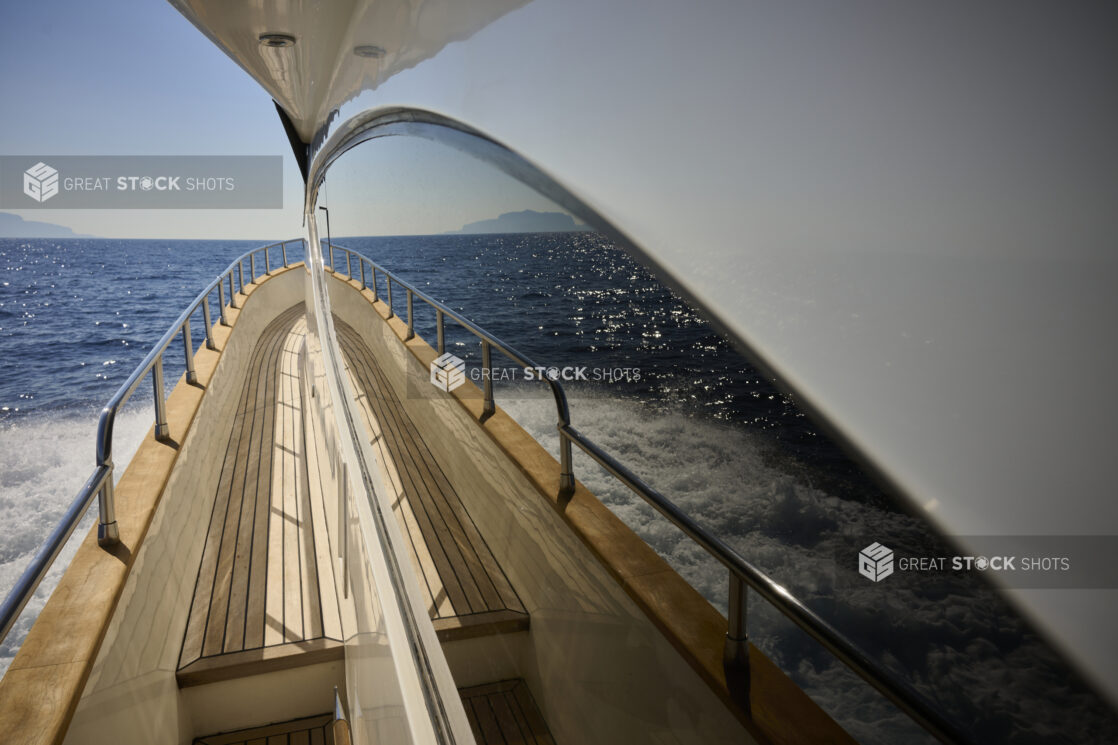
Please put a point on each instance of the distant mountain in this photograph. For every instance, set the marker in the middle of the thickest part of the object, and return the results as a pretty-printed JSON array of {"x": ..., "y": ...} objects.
[
  {"x": 14, "y": 226},
  {"x": 525, "y": 221}
]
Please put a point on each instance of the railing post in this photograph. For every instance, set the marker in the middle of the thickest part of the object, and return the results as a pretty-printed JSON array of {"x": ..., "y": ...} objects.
[
  {"x": 206, "y": 320},
  {"x": 439, "y": 323},
  {"x": 241, "y": 274},
  {"x": 232, "y": 299},
  {"x": 388, "y": 281},
  {"x": 566, "y": 466},
  {"x": 161, "y": 430},
  {"x": 108, "y": 532},
  {"x": 735, "y": 655},
  {"x": 188, "y": 352},
  {"x": 348, "y": 264},
  {"x": 267, "y": 262},
  {"x": 374, "y": 271},
  {"x": 362, "y": 263},
  {"x": 411, "y": 323},
  {"x": 487, "y": 380},
  {"x": 283, "y": 253},
  {"x": 330, "y": 249},
  {"x": 252, "y": 268}
]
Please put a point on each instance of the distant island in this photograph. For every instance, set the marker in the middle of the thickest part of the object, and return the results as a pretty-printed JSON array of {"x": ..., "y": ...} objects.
[
  {"x": 525, "y": 221},
  {"x": 14, "y": 226}
]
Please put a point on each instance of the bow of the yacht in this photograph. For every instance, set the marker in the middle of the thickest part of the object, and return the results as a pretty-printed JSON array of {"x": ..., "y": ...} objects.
[{"x": 300, "y": 521}]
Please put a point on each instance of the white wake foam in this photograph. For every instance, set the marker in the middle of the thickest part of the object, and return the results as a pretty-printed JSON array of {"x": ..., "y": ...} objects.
[
  {"x": 43, "y": 462},
  {"x": 722, "y": 477},
  {"x": 794, "y": 531}
]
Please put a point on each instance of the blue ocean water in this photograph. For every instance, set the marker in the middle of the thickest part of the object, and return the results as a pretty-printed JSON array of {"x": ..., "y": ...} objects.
[{"x": 76, "y": 316}]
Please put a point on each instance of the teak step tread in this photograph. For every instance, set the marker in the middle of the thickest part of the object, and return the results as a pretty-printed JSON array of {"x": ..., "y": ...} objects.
[
  {"x": 505, "y": 713},
  {"x": 258, "y": 661},
  {"x": 466, "y": 591},
  {"x": 305, "y": 731}
]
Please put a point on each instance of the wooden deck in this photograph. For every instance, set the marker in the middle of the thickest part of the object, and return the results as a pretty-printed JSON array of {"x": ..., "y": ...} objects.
[
  {"x": 266, "y": 595},
  {"x": 466, "y": 591},
  {"x": 265, "y": 590},
  {"x": 505, "y": 713}
]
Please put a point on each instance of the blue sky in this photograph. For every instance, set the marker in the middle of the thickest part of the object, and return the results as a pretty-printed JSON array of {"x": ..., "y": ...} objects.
[{"x": 133, "y": 77}]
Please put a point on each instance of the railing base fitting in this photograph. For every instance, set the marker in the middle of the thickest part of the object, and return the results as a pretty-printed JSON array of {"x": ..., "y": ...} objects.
[{"x": 108, "y": 535}]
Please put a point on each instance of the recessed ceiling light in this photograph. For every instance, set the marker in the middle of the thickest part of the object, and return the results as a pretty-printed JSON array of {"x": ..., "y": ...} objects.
[
  {"x": 277, "y": 40},
  {"x": 372, "y": 51}
]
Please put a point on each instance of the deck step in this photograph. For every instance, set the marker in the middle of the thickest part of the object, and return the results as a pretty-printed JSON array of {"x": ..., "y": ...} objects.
[
  {"x": 504, "y": 713},
  {"x": 305, "y": 731},
  {"x": 258, "y": 661},
  {"x": 501, "y": 713}
]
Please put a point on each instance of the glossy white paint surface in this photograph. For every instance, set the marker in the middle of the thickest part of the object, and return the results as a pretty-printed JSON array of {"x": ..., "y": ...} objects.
[
  {"x": 399, "y": 686},
  {"x": 906, "y": 210}
]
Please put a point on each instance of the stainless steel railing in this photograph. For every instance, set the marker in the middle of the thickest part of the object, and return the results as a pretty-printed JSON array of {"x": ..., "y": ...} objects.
[
  {"x": 100, "y": 484},
  {"x": 742, "y": 574}
]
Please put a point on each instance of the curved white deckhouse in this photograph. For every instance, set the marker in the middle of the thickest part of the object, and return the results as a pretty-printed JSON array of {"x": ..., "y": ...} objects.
[{"x": 904, "y": 213}]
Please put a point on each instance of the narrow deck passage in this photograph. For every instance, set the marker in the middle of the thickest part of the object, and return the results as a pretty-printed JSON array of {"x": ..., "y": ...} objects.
[
  {"x": 265, "y": 587},
  {"x": 466, "y": 591}
]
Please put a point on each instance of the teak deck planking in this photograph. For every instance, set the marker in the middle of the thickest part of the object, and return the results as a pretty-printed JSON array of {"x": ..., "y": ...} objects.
[
  {"x": 265, "y": 577},
  {"x": 505, "y": 713},
  {"x": 266, "y": 586}
]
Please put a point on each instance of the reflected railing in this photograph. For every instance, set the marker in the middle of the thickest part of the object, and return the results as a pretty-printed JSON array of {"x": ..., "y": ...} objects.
[
  {"x": 100, "y": 483},
  {"x": 396, "y": 669},
  {"x": 488, "y": 343},
  {"x": 743, "y": 575}
]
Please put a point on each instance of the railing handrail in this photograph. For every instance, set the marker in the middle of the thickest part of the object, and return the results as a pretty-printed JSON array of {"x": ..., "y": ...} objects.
[
  {"x": 100, "y": 483},
  {"x": 109, "y": 412},
  {"x": 898, "y": 691}
]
